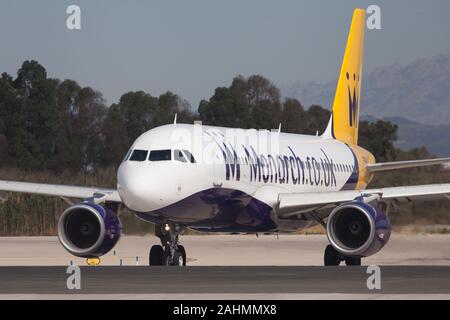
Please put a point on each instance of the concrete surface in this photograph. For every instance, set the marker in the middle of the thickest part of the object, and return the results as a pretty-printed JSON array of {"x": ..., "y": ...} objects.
[
  {"x": 225, "y": 280},
  {"x": 403, "y": 282},
  {"x": 230, "y": 250}
]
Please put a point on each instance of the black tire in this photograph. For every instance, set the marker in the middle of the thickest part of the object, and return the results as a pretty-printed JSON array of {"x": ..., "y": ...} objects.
[
  {"x": 178, "y": 259},
  {"x": 332, "y": 257},
  {"x": 183, "y": 252},
  {"x": 352, "y": 261},
  {"x": 155, "y": 257},
  {"x": 166, "y": 258}
]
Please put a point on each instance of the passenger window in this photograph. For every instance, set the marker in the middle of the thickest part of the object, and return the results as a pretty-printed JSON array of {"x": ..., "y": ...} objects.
[
  {"x": 139, "y": 155},
  {"x": 189, "y": 156},
  {"x": 178, "y": 156},
  {"x": 160, "y": 155}
]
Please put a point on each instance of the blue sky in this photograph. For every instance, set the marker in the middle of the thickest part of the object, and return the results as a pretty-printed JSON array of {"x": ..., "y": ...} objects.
[{"x": 193, "y": 46}]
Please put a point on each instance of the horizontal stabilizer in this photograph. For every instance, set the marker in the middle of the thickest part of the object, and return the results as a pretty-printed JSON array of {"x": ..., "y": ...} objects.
[{"x": 377, "y": 167}]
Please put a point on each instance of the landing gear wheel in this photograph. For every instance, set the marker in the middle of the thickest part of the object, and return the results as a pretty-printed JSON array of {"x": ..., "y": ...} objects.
[
  {"x": 183, "y": 253},
  {"x": 332, "y": 257},
  {"x": 179, "y": 259},
  {"x": 166, "y": 258},
  {"x": 173, "y": 254},
  {"x": 155, "y": 257},
  {"x": 352, "y": 261}
]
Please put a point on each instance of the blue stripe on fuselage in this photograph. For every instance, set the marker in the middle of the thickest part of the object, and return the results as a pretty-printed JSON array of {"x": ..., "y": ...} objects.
[{"x": 353, "y": 179}]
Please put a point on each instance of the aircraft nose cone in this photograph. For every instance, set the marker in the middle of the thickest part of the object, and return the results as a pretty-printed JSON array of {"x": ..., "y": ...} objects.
[{"x": 135, "y": 188}]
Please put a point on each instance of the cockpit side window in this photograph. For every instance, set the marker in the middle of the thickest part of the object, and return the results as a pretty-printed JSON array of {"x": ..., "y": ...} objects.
[
  {"x": 179, "y": 156},
  {"x": 189, "y": 156},
  {"x": 160, "y": 155},
  {"x": 127, "y": 155},
  {"x": 138, "y": 155}
]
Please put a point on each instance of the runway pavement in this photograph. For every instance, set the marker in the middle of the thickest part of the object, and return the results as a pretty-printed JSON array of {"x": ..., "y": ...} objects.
[
  {"x": 227, "y": 267},
  {"x": 230, "y": 250},
  {"x": 224, "y": 280}
]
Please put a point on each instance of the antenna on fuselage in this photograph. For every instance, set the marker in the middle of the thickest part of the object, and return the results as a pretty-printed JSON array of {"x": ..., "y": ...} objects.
[
  {"x": 279, "y": 128},
  {"x": 175, "y": 119}
]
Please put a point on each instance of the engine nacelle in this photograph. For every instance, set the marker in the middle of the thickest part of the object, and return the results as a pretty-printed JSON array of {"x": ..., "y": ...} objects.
[
  {"x": 88, "y": 230},
  {"x": 358, "y": 229}
]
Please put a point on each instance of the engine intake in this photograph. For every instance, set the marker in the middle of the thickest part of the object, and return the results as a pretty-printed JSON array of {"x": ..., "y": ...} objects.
[
  {"x": 88, "y": 230},
  {"x": 358, "y": 229}
]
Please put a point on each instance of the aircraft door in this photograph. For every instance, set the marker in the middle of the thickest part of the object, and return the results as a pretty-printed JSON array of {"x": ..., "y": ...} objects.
[{"x": 219, "y": 168}]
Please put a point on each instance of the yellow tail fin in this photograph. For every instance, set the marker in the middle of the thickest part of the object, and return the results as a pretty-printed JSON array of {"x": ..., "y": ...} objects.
[{"x": 344, "y": 120}]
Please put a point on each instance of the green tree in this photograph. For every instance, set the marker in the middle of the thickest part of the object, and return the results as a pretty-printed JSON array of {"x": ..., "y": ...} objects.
[
  {"x": 138, "y": 110},
  {"x": 379, "y": 138},
  {"x": 170, "y": 104},
  {"x": 82, "y": 113},
  {"x": 30, "y": 114},
  {"x": 225, "y": 108},
  {"x": 317, "y": 119},
  {"x": 252, "y": 102},
  {"x": 115, "y": 137},
  {"x": 293, "y": 117}
]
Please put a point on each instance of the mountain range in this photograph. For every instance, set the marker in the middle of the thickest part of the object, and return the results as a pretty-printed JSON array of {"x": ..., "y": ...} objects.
[
  {"x": 419, "y": 91},
  {"x": 416, "y": 97},
  {"x": 413, "y": 134}
]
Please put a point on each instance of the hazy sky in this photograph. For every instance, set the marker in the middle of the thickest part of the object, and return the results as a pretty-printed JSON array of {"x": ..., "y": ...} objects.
[{"x": 192, "y": 46}]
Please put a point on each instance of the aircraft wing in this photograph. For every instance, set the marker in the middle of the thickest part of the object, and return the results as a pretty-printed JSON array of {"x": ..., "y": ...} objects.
[
  {"x": 60, "y": 190},
  {"x": 292, "y": 204}
]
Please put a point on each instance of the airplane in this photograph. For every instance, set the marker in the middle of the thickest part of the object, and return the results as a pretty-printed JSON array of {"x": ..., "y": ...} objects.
[{"x": 216, "y": 179}]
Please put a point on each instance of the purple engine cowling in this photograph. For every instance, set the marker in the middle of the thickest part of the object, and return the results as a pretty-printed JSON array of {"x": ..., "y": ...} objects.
[
  {"x": 89, "y": 230},
  {"x": 358, "y": 229}
]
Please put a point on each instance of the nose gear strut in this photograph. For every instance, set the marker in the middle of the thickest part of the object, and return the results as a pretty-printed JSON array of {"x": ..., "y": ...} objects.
[{"x": 170, "y": 252}]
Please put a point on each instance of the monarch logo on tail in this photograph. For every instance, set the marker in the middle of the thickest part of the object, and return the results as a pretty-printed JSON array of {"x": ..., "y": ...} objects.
[
  {"x": 353, "y": 103},
  {"x": 343, "y": 124}
]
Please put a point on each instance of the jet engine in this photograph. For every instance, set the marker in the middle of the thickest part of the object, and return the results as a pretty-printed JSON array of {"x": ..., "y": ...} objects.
[
  {"x": 358, "y": 229},
  {"x": 89, "y": 230}
]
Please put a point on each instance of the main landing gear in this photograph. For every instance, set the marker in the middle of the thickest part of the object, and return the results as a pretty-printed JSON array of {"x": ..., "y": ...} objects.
[
  {"x": 169, "y": 253},
  {"x": 332, "y": 257}
]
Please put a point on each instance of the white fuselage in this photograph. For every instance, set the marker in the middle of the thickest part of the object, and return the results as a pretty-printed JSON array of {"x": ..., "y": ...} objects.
[{"x": 234, "y": 178}]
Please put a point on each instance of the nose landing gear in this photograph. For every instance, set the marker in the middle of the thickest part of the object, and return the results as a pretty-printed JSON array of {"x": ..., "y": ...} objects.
[{"x": 169, "y": 253}]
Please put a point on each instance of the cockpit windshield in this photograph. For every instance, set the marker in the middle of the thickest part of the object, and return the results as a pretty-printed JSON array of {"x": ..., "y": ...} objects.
[
  {"x": 138, "y": 155},
  {"x": 127, "y": 155},
  {"x": 179, "y": 156},
  {"x": 160, "y": 155},
  {"x": 189, "y": 156}
]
